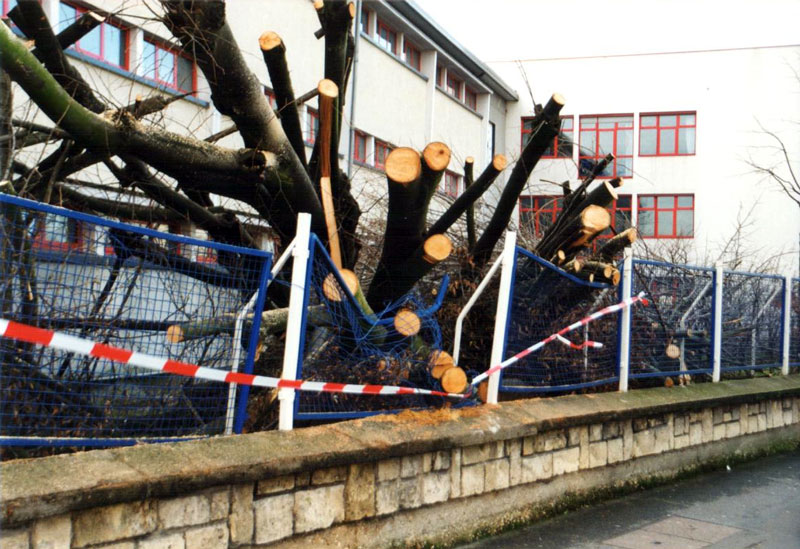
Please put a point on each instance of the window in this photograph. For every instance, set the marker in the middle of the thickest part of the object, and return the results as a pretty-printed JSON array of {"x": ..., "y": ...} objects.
[
  {"x": 365, "y": 21},
  {"x": 273, "y": 101},
  {"x": 453, "y": 86},
  {"x": 387, "y": 38},
  {"x": 667, "y": 134},
  {"x": 666, "y": 216},
  {"x": 538, "y": 213},
  {"x": 601, "y": 135},
  {"x": 562, "y": 143},
  {"x": 382, "y": 150},
  {"x": 451, "y": 184},
  {"x": 440, "y": 76},
  {"x": 620, "y": 211},
  {"x": 58, "y": 233},
  {"x": 411, "y": 55},
  {"x": 360, "y": 147},
  {"x": 470, "y": 98},
  {"x": 167, "y": 67},
  {"x": 312, "y": 126},
  {"x": 106, "y": 42}
]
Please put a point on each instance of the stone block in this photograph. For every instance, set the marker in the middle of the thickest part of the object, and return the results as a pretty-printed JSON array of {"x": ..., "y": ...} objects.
[
  {"x": 681, "y": 441},
  {"x": 762, "y": 421},
  {"x": 598, "y": 453},
  {"x": 708, "y": 425},
  {"x": 695, "y": 434},
  {"x": 411, "y": 466},
  {"x": 388, "y": 469},
  {"x": 528, "y": 445},
  {"x": 615, "y": 450},
  {"x": 611, "y": 429},
  {"x": 718, "y": 415},
  {"x": 330, "y": 475},
  {"x": 207, "y": 537},
  {"x": 639, "y": 424},
  {"x": 566, "y": 461},
  {"x": 595, "y": 432},
  {"x": 735, "y": 413},
  {"x": 113, "y": 523},
  {"x": 427, "y": 462},
  {"x": 627, "y": 440},
  {"x": 441, "y": 460},
  {"x": 318, "y": 508},
  {"x": 52, "y": 533},
  {"x": 275, "y": 485},
  {"x": 762, "y": 407},
  {"x": 752, "y": 409},
  {"x": 184, "y": 511},
  {"x": 435, "y": 487},
  {"x": 496, "y": 475},
  {"x": 726, "y": 415},
  {"x": 482, "y": 452},
  {"x": 732, "y": 429},
  {"x": 387, "y": 497},
  {"x": 744, "y": 422},
  {"x": 658, "y": 420},
  {"x": 220, "y": 504},
  {"x": 551, "y": 440},
  {"x": 120, "y": 545},
  {"x": 787, "y": 417},
  {"x": 301, "y": 480},
  {"x": 537, "y": 467},
  {"x": 574, "y": 435},
  {"x": 514, "y": 451},
  {"x": 680, "y": 425},
  {"x": 455, "y": 472},
  {"x": 409, "y": 493},
  {"x": 240, "y": 521},
  {"x": 274, "y": 516},
  {"x": 787, "y": 403},
  {"x": 472, "y": 479},
  {"x": 663, "y": 441},
  {"x": 359, "y": 492},
  {"x": 15, "y": 539},
  {"x": 162, "y": 541},
  {"x": 644, "y": 443},
  {"x": 752, "y": 424},
  {"x": 583, "y": 461},
  {"x": 719, "y": 432}
]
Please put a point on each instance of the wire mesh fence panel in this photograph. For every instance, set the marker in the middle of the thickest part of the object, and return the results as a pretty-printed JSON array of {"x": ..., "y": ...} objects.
[
  {"x": 126, "y": 286},
  {"x": 545, "y": 299},
  {"x": 794, "y": 329},
  {"x": 672, "y": 336},
  {"x": 344, "y": 343},
  {"x": 752, "y": 313}
]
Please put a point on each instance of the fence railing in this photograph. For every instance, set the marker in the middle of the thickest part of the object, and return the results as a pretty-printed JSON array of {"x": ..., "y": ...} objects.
[{"x": 131, "y": 287}]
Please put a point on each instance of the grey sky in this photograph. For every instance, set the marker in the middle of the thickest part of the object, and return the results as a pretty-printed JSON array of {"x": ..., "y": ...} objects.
[{"x": 505, "y": 30}]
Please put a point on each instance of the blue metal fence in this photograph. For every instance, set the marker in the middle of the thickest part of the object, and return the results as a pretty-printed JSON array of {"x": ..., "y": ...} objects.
[
  {"x": 131, "y": 287},
  {"x": 544, "y": 299}
]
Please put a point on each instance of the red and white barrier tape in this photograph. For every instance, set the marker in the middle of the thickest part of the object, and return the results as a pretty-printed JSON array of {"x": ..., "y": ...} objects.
[
  {"x": 582, "y": 322},
  {"x": 571, "y": 345},
  {"x": 64, "y": 342}
]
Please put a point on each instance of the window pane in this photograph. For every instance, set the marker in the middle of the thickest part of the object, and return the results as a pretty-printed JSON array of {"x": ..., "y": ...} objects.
[
  {"x": 667, "y": 142},
  {"x": 649, "y": 121},
  {"x": 686, "y": 141},
  {"x": 606, "y": 144},
  {"x": 624, "y": 143},
  {"x": 685, "y": 222},
  {"x": 647, "y": 141},
  {"x": 624, "y": 121},
  {"x": 185, "y": 76},
  {"x": 607, "y": 123},
  {"x": 57, "y": 229},
  {"x": 666, "y": 202},
  {"x": 685, "y": 201},
  {"x": 646, "y": 226},
  {"x": 622, "y": 220},
  {"x": 669, "y": 120},
  {"x": 588, "y": 144},
  {"x": 665, "y": 227},
  {"x": 66, "y": 16},
  {"x": 624, "y": 167},
  {"x": 149, "y": 60},
  {"x": 588, "y": 122},
  {"x": 90, "y": 43},
  {"x": 113, "y": 49},
  {"x": 646, "y": 202},
  {"x": 624, "y": 202},
  {"x": 687, "y": 120},
  {"x": 166, "y": 66},
  {"x": 609, "y": 170},
  {"x": 565, "y": 145},
  {"x": 566, "y": 123}
]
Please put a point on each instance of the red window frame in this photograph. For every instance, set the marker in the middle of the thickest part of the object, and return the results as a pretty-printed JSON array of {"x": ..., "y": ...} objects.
[
  {"x": 312, "y": 126},
  {"x": 440, "y": 76},
  {"x": 383, "y": 37},
  {"x": 365, "y": 21},
  {"x": 450, "y": 184},
  {"x": 411, "y": 55},
  {"x": 271, "y": 98},
  {"x": 649, "y": 204},
  {"x": 453, "y": 85},
  {"x": 598, "y": 127},
  {"x": 75, "y": 235},
  {"x": 382, "y": 150},
  {"x": 685, "y": 123},
  {"x": 159, "y": 49},
  {"x": 541, "y": 209},
  {"x": 102, "y": 28},
  {"x": 360, "y": 147},
  {"x": 470, "y": 98}
]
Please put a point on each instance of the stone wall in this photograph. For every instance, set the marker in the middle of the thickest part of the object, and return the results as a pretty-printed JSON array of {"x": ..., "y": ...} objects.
[{"x": 434, "y": 476}]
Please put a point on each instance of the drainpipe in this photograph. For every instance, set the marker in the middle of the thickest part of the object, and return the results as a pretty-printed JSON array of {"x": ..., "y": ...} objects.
[{"x": 351, "y": 144}]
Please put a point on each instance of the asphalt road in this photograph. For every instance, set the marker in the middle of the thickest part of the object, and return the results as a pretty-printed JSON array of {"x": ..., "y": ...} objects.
[{"x": 753, "y": 505}]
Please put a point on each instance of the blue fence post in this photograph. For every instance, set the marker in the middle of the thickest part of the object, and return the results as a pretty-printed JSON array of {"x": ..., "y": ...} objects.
[
  {"x": 786, "y": 319},
  {"x": 716, "y": 325},
  {"x": 623, "y": 350}
]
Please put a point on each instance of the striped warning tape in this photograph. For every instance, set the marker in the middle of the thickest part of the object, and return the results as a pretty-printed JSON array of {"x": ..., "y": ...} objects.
[
  {"x": 64, "y": 342},
  {"x": 559, "y": 336},
  {"x": 570, "y": 344}
]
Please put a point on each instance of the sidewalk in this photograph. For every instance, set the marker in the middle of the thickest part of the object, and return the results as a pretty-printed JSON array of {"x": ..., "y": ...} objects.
[{"x": 754, "y": 505}]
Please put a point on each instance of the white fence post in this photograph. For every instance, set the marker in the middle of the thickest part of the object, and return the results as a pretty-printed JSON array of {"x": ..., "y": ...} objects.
[
  {"x": 501, "y": 316},
  {"x": 625, "y": 325},
  {"x": 719, "y": 275},
  {"x": 787, "y": 324},
  {"x": 294, "y": 324}
]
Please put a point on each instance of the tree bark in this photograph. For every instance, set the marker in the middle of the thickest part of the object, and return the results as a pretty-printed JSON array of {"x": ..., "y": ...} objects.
[{"x": 469, "y": 165}]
